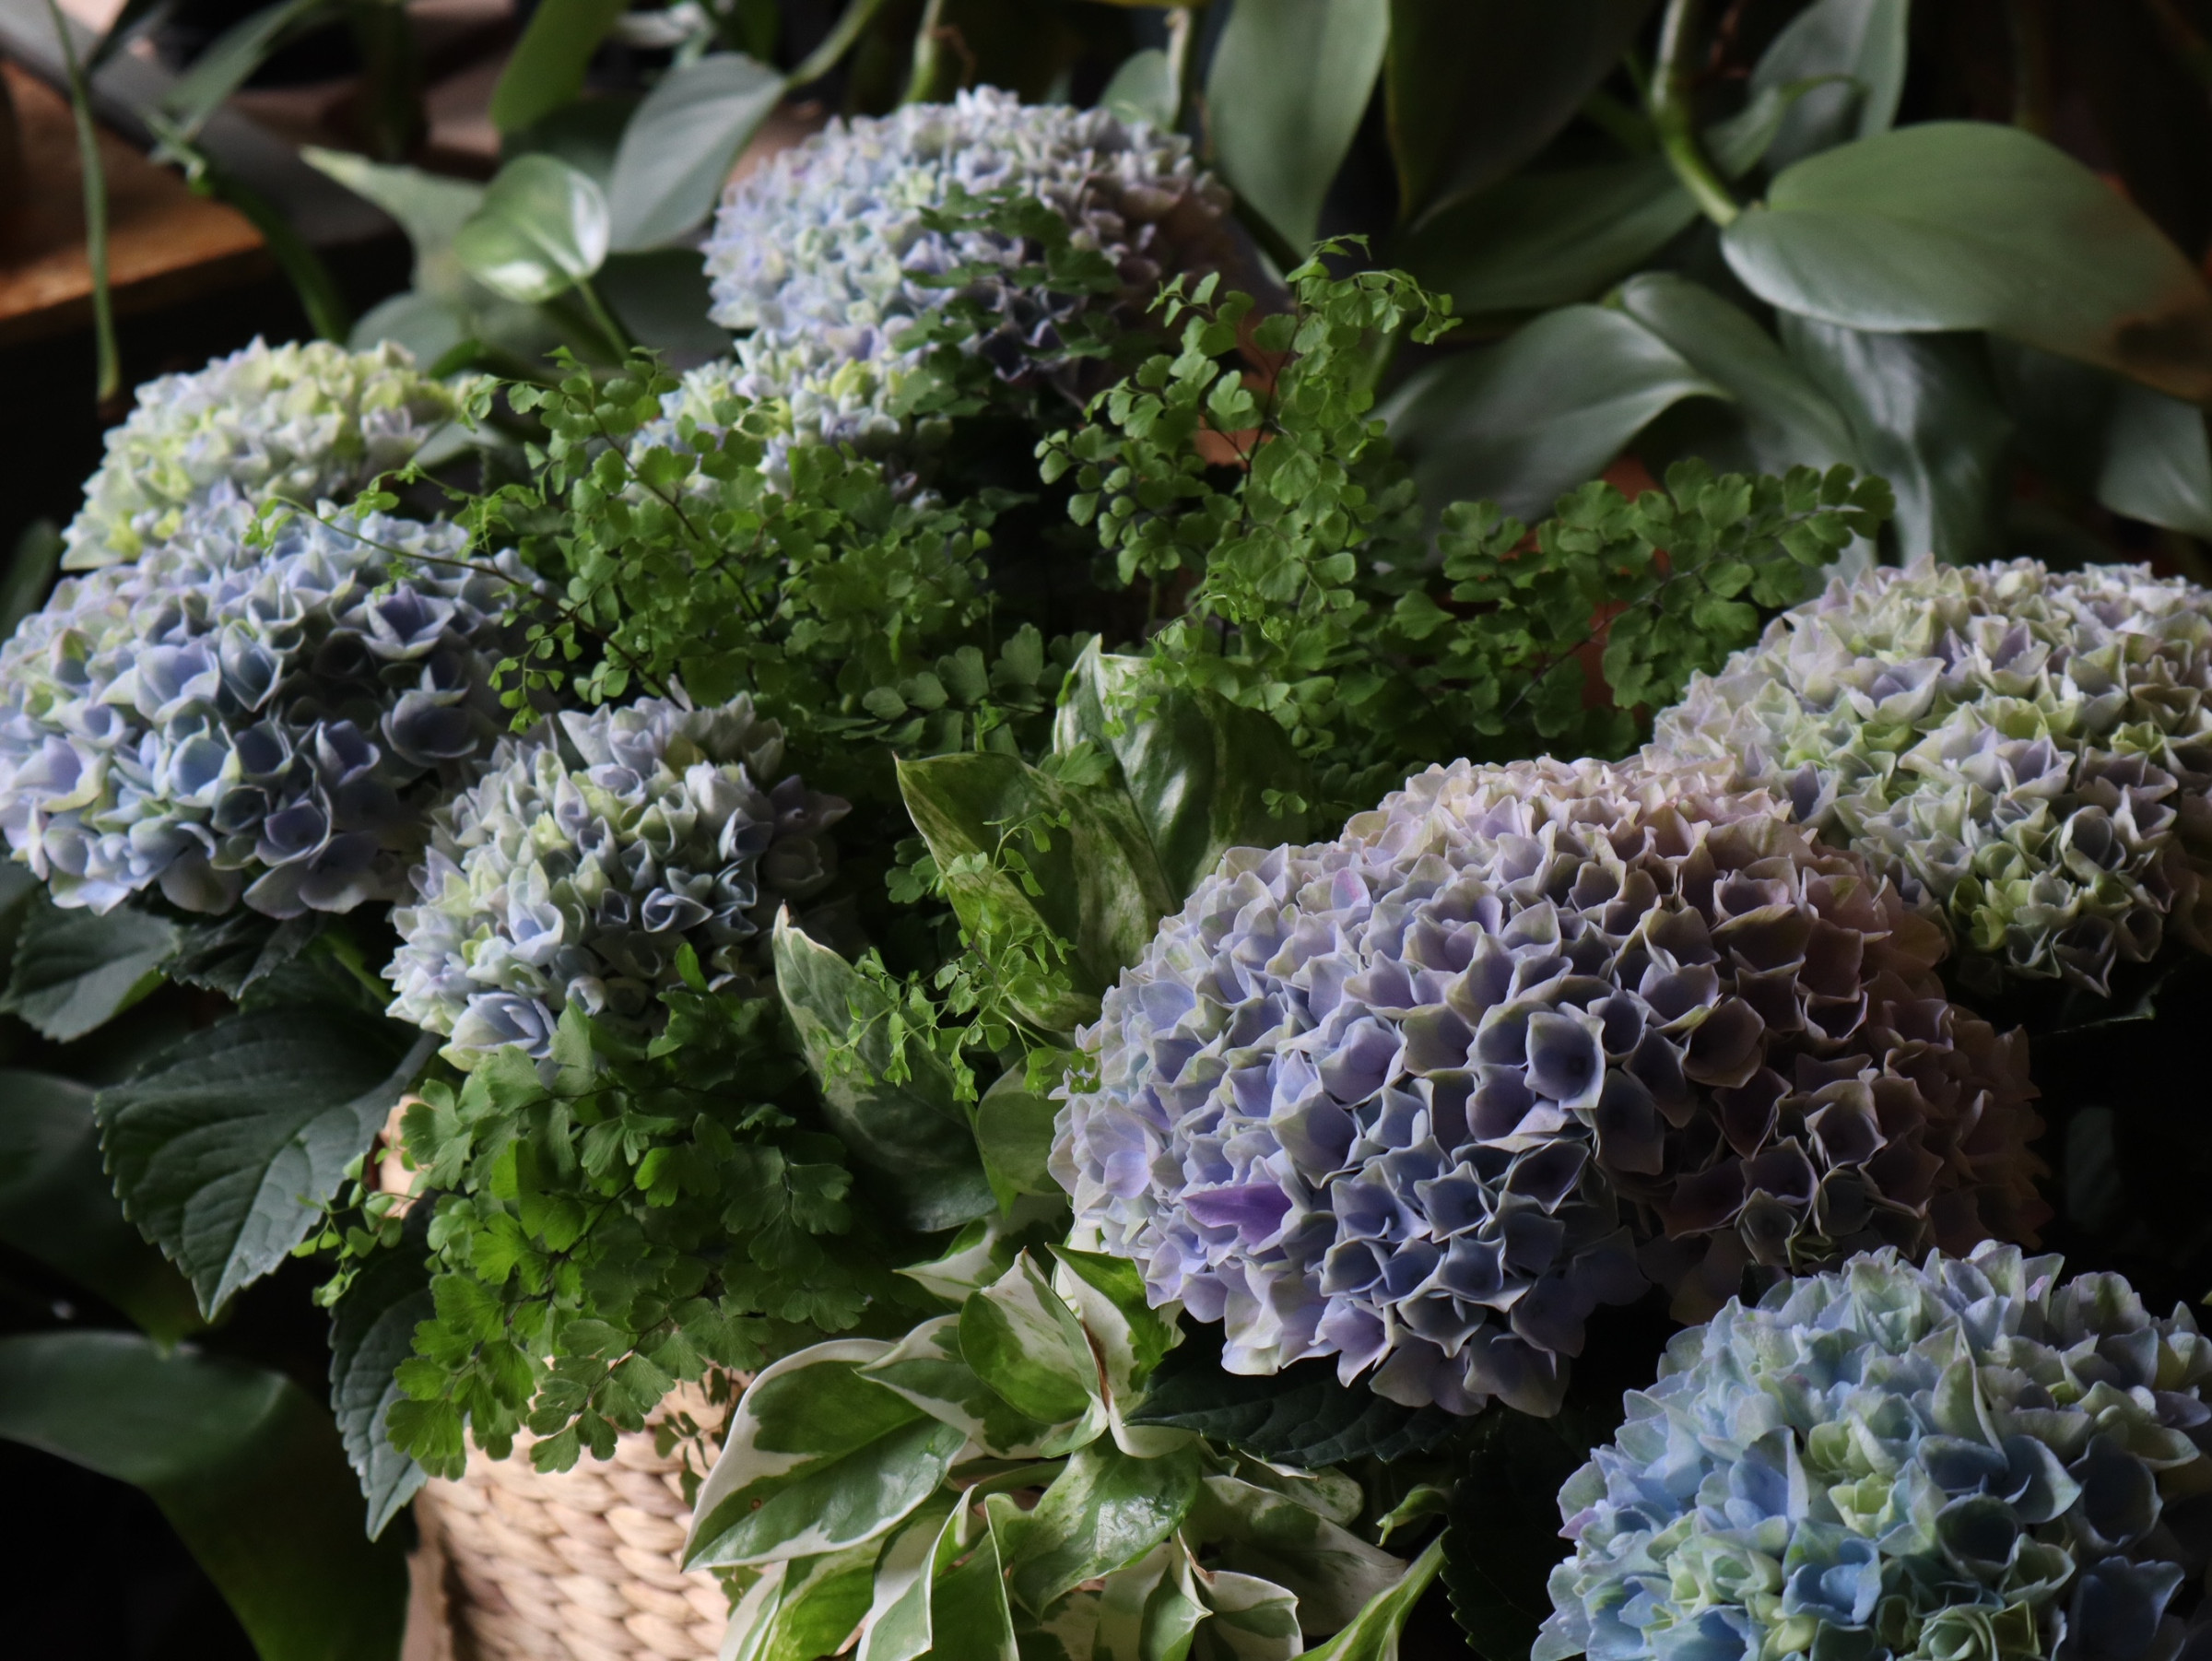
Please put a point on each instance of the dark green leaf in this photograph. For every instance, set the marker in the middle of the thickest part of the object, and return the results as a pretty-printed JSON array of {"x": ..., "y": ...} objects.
[
  {"x": 1301, "y": 1416},
  {"x": 546, "y": 68},
  {"x": 1786, "y": 419},
  {"x": 1195, "y": 767},
  {"x": 1967, "y": 225},
  {"x": 1503, "y": 1536},
  {"x": 679, "y": 147},
  {"x": 56, "y": 1205},
  {"x": 223, "y": 68},
  {"x": 1289, "y": 83},
  {"x": 2138, "y": 452},
  {"x": 1014, "y": 1132},
  {"x": 541, "y": 228},
  {"x": 1477, "y": 86},
  {"x": 1373, "y": 1634},
  {"x": 909, "y": 1136},
  {"x": 1294, "y": 1535},
  {"x": 240, "y": 950},
  {"x": 38, "y": 554},
  {"x": 662, "y": 299},
  {"x": 75, "y": 970},
  {"x": 1862, "y": 39},
  {"x": 1926, "y": 418},
  {"x": 245, "y": 1466},
  {"x": 1520, "y": 422},
  {"x": 226, "y": 1146},
  {"x": 372, "y": 1332}
]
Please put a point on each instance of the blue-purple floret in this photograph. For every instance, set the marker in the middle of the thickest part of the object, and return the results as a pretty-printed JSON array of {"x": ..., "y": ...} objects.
[{"x": 1963, "y": 1461}]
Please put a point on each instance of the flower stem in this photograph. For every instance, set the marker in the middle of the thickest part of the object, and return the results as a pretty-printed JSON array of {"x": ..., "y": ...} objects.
[{"x": 1671, "y": 114}]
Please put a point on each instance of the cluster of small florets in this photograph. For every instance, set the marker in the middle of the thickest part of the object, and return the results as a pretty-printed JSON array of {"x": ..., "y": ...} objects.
[
  {"x": 221, "y": 716},
  {"x": 823, "y": 255},
  {"x": 1423, "y": 1097},
  {"x": 298, "y": 421},
  {"x": 2025, "y": 752},
  {"x": 588, "y": 855},
  {"x": 1967, "y": 1461}
]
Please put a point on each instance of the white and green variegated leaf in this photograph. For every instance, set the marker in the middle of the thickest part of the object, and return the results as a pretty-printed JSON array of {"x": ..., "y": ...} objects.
[
  {"x": 1263, "y": 1532},
  {"x": 817, "y": 1603},
  {"x": 1104, "y": 1511},
  {"x": 1068, "y": 1631},
  {"x": 1374, "y": 1633},
  {"x": 1108, "y": 1295},
  {"x": 1024, "y": 1342},
  {"x": 1146, "y": 1610},
  {"x": 1250, "y": 1618},
  {"x": 928, "y": 1369},
  {"x": 978, "y": 1254},
  {"x": 970, "y": 1617},
  {"x": 818, "y": 1459},
  {"x": 1329, "y": 1493},
  {"x": 897, "y": 1626}
]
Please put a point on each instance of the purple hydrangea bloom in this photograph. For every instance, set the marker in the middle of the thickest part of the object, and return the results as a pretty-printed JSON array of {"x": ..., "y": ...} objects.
[{"x": 1424, "y": 1097}]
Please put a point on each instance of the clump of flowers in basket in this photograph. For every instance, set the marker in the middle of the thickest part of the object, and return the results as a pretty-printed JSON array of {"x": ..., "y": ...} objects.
[{"x": 1151, "y": 1037}]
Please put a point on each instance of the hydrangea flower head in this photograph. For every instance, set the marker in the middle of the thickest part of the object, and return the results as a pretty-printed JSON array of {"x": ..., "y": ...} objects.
[
  {"x": 220, "y": 717},
  {"x": 587, "y": 855},
  {"x": 820, "y": 254},
  {"x": 1965, "y": 1461},
  {"x": 2026, "y": 753},
  {"x": 303, "y": 421},
  {"x": 1422, "y": 1098}
]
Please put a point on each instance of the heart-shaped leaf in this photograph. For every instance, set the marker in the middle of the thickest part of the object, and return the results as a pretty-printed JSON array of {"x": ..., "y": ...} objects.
[
  {"x": 1969, "y": 225},
  {"x": 227, "y": 1144},
  {"x": 541, "y": 229},
  {"x": 679, "y": 147}
]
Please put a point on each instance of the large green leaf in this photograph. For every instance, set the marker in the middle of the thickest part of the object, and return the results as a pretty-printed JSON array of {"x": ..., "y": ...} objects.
[
  {"x": 1968, "y": 225},
  {"x": 546, "y": 69},
  {"x": 1502, "y": 1541},
  {"x": 818, "y": 1459},
  {"x": 372, "y": 1332},
  {"x": 1105, "y": 1509},
  {"x": 1100, "y": 888},
  {"x": 429, "y": 207},
  {"x": 1014, "y": 1134},
  {"x": 1545, "y": 238},
  {"x": 1277, "y": 1533},
  {"x": 242, "y": 1461},
  {"x": 1143, "y": 88},
  {"x": 1108, "y": 1293},
  {"x": 970, "y": 1617},
  {"x": 56, "y": 1205},
  {"x": 1024, "y": 1343},
  {"x": 1196, "y": 767},
  {"x": 228, "y": 60},
  {"x": 909, "y": 1136},
  {"x": 677, "y": 149},
  {"x": 1520, "y": 422},
  {"x": 1477, "y": 86},
  {"x": 1373, "y": 1634},
  {"x": 898, "y": 1625},
  {"x": 2138, "y": 452},
  {"x": 661, "y": 297},
  {"x": 1926, "y": 418},
  {"x": 816, "y": 1602},
  {"x": 928, "y": 1368},
  {"x": 541, "y": 229},
  {"x": 227, "y": 1144},
  {"x": 1786, "y": 419},
  {"x": 1289, "y": 83},
  {"x": 1862, "y": 42},
  {"x": 77, "y": 970}
]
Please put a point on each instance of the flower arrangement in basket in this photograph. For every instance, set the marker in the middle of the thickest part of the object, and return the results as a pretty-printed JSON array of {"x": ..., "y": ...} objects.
[{"x": 1041, "y": 1017}]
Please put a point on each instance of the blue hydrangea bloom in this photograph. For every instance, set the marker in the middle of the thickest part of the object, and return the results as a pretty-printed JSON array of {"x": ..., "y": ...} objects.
[
  {"x": 224, "y": 718},
  {"x": 1423, "y": 1097},
  {"x": 816, "y": 256},
  {"x": 587, "y": 854},
  {"x": 2026, "y": 753},
  {"x": 303, "y": 421},
  {"x": 1964, "y": 1461}
]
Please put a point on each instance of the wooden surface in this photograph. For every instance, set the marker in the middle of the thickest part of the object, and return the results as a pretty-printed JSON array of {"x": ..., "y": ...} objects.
[{"x": 164, "y": 243}]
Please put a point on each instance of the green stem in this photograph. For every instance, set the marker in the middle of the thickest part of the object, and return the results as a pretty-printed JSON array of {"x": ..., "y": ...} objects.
[
  {"x": 617, "y": 336},
  {"x": 1182, "y": 58},
  {"x": 392, "y": 112},
  {"x": 1627, "y": 128},
  {"x": 96, "y": 212},
  {"x": 1671, "y": 114},
  {"x": 928, "y": 83},
  {"x": 835, "y": 44}
]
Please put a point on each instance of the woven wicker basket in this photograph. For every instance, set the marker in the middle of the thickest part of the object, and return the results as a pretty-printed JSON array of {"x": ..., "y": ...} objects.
[{"x": 578, "y": 1566}]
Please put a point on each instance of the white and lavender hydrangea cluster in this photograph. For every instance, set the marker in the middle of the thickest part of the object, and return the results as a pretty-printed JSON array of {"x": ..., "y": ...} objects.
[
  {"x": 1966, "y": 1461},
  {"x": 223, "y": 718},
  {"x": 1423, "y": 1097},
  {"x": 818, "y": 257},
  {"x": 303, "y": 421},
  {"x": 587, "y": 855},
  {"x": 2025, "y": 752}
]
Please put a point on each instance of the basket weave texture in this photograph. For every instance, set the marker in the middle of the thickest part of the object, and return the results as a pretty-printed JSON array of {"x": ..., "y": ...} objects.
[{"x": 580, "y": 1565}]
